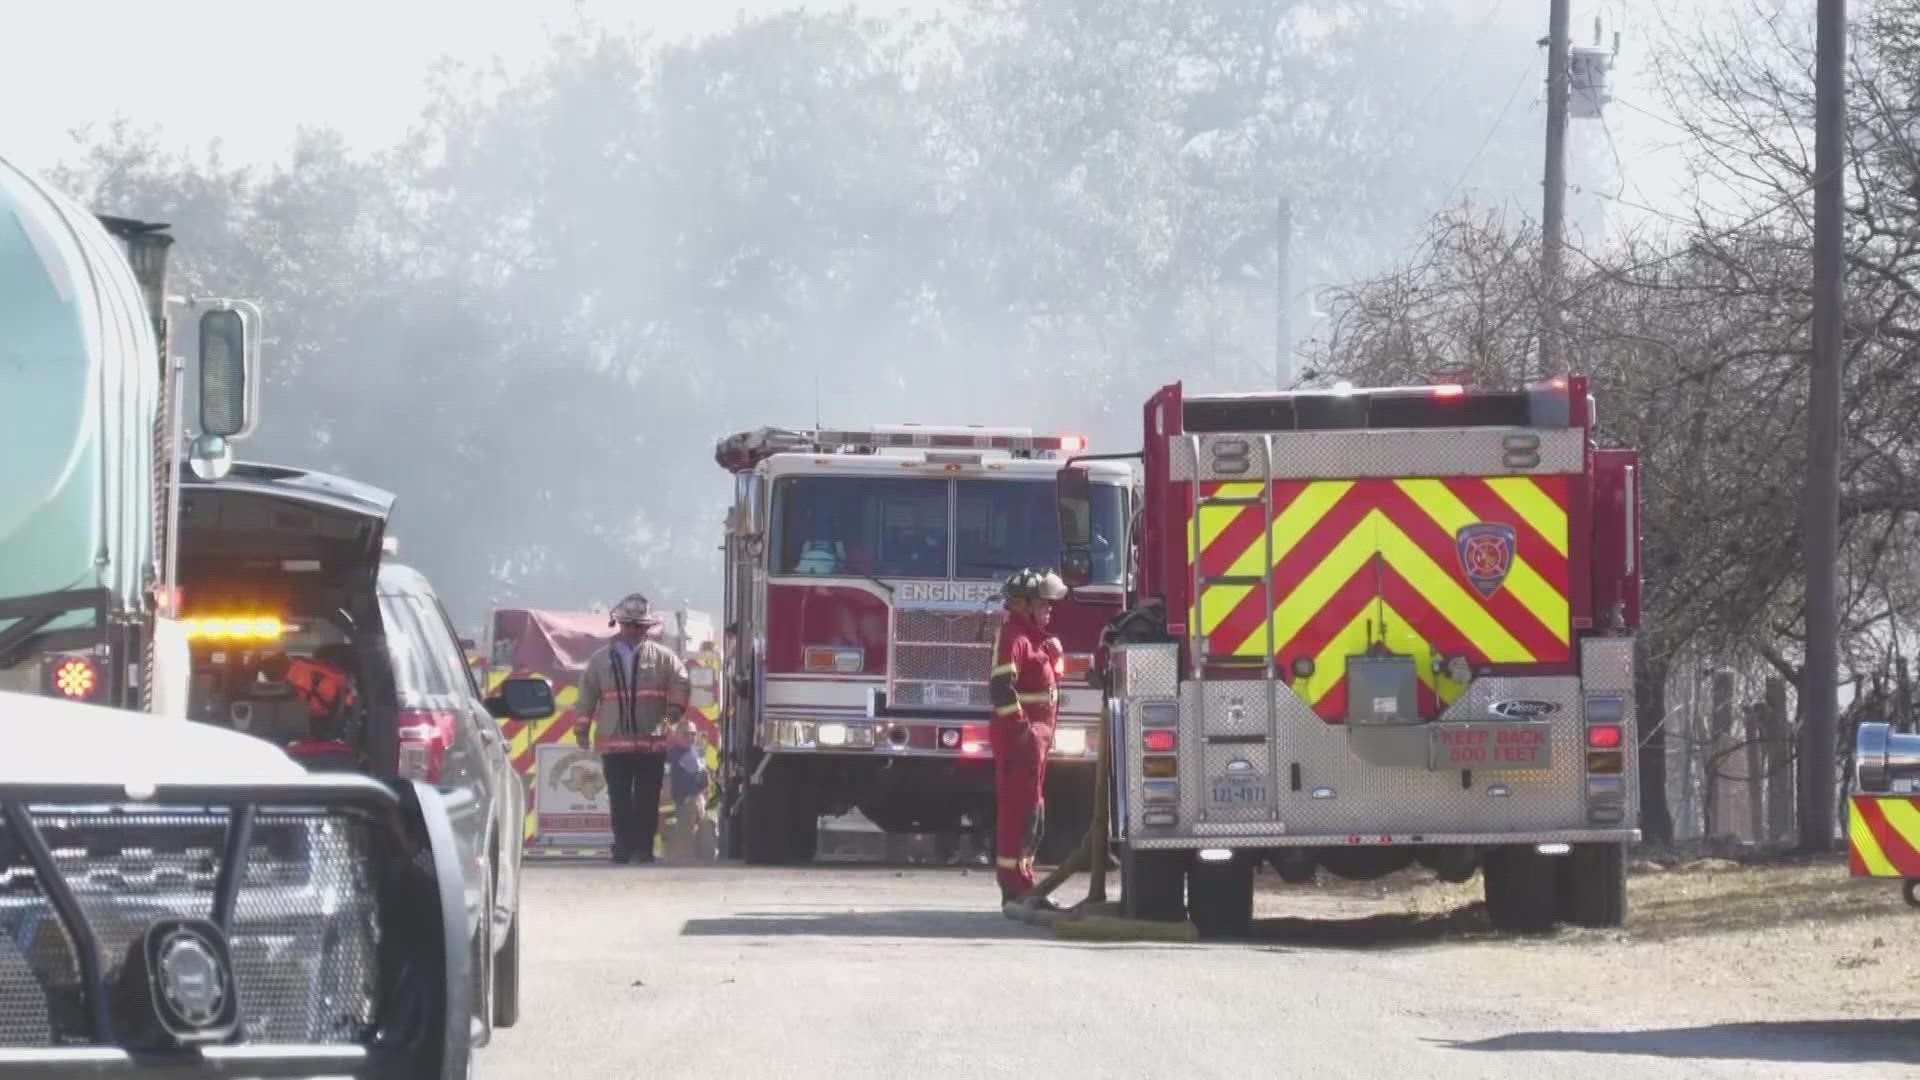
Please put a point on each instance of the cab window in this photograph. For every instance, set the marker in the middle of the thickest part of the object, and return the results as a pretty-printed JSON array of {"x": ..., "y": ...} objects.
[{"x": 860, "y": 525}]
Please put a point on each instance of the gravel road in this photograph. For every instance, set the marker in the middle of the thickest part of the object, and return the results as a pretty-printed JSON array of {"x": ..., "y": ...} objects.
[{"x": 852, "y": 972}]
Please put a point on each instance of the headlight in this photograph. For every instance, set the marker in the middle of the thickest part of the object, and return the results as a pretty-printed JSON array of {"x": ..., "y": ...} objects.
[
  {"x": 1070, "y": 740},
  {"x": 832, "y": 734}
]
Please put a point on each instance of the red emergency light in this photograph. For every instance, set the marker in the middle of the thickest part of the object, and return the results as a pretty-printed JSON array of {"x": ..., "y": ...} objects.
[
  {"x": 1604, "y": 736},
  {"x": 72, "y": 677}
]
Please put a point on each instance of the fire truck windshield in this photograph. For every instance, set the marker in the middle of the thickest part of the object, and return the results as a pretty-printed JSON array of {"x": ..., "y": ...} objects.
[
  {"x": 889, "y": 527},
  {"x": 1005, "y": 525},
  {"x": 882, "y": 527}
]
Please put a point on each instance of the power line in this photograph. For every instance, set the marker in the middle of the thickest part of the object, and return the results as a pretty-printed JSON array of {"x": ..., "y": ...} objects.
[
  {"x": 1620, "y": 164},
  {"x": 1715, "y": 235},
  {"x": 1491, "y": 132}
]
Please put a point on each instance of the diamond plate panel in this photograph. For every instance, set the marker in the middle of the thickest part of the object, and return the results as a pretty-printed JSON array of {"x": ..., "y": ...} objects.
[
  {"x": 1359, "y": 798},
  {"x": 1235, "y": 707},
  {"x": 1147, "y": 670},
  {"x": 1607, "y": 665},
  {"x": 1236, "y": 784},
  {"x": 1348, "y": 454}
]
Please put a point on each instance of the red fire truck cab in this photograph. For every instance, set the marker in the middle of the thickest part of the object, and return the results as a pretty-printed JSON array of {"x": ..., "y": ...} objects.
[{"x": 862, "y": 595}]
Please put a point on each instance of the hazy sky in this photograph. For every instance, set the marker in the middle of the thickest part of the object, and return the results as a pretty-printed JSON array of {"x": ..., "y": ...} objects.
[{"x": 261, "y": 68}]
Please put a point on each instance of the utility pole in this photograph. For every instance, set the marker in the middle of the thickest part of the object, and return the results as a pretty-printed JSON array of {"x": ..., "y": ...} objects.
[
  {"x": 1553, "y": 211},
  {"x": 1283, "y": 300},
  {"x": 1820, "y": 687}
]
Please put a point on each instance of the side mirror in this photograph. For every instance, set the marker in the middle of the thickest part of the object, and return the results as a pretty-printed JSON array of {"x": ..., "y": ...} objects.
[
  {"x": 229, "y": 374},
  {"x": 522, "y": 699},
  {"x": 1073, "y": 493}
]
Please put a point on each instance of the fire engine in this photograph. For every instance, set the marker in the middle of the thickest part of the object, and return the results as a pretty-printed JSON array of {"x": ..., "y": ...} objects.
[
  {"x": 863, "y": 592},
  {"x": 1883, "y": 810},
  {"x": 1373, "y": 628}
]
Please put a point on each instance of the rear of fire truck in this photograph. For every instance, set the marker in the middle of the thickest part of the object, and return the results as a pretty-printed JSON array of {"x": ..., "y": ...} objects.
[
  {"x": 1375, "y": 628},
  {"x": 863, "y": 594}
]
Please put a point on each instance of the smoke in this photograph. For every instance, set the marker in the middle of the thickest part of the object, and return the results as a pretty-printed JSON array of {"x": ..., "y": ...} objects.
[{"x": 532, "y": 316}]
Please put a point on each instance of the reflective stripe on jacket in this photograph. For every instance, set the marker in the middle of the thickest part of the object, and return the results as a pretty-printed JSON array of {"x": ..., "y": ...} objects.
[
  {"x": 630, "y": 704},
  {"x": 1022, "y": 682}
]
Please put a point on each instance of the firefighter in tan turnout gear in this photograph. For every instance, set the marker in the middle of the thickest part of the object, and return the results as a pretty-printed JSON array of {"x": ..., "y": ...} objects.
[{"x": 632, "y": 694}]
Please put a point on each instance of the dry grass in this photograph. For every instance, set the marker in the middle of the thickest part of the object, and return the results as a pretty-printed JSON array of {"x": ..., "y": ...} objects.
[{"x": 1721, "y": 939}]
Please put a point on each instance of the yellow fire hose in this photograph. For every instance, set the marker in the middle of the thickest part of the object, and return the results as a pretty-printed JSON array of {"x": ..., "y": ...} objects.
[{"x": 1093, "y": 919}]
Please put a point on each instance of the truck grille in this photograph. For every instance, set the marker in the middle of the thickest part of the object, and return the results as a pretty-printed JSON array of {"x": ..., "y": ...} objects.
[
  {"x": 304, "y": 934},
  {"x": 941, "y": 658}
]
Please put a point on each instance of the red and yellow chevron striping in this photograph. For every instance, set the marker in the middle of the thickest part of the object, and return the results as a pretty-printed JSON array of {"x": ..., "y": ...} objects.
[
  {"x": 1883, "y": 836},
  {"x": 1434, "y": 568}
]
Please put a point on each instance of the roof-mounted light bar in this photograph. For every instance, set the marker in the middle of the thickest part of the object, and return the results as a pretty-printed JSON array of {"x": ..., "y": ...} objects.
[
  {"x": 745, "y": 449},
  {"x": 946, "y": 439}
]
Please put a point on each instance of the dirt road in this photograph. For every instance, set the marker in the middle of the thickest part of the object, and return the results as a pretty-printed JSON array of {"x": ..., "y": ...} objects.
[{"x": 857, "y": 972}]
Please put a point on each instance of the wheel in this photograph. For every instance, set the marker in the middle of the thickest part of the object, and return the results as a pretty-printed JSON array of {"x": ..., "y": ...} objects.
[
  {"x": 1520, "y": 888},
  {"x": 506, "y": 977},
  {"x": 768, "y": 827},
  {"x": 1153, "y": 884},
  {"x": 1593, "y": 885},
  {"x": 1220, "y": 897},
  {"x": 1911, "y": 890}
]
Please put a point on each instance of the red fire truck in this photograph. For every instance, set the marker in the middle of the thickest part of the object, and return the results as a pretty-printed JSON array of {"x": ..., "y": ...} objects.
[
  {"x": 862, "y": 593},
  {"x": 1374, "y": 628}
]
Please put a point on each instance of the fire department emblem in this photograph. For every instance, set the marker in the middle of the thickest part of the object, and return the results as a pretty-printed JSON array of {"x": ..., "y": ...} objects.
[{"x": 1486, "y": 554}]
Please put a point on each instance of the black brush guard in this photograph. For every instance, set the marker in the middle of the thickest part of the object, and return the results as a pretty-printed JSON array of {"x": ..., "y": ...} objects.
[{"x": 420, "y": 1022}]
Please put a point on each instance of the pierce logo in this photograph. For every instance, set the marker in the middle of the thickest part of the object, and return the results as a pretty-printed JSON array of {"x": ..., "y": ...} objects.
[
  {"x": 1486, "y": 555},
  {"x": 1522, "y": 709}
]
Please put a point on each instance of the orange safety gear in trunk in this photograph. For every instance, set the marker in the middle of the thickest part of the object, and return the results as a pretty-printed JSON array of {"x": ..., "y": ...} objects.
[{"x": 324, "y": 687}]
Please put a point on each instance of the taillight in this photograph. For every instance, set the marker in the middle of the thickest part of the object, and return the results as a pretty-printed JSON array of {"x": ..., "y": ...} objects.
[
  {"x": 1157, "y": 742},
  {"x": 1604, "y": 736},
  {"x": 425, "y": 735},
  {"x": 1075, "y": 666},
  {"x": 72, "y": 677}
]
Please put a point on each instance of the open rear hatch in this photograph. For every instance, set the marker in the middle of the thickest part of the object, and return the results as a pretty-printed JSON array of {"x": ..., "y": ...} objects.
[
  {"x": 265, "y": 517},
  {"x": 280, "y": 564}
]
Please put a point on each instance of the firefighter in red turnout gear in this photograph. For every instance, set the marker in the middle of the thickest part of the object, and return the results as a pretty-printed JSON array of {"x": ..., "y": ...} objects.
[{"x": 1024, "y": 694}]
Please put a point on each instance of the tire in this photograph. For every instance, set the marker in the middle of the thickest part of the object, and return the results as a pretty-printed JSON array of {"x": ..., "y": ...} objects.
[
  {"x": 1153, "y": 885},
  {"x": 1521, "y": 889},
  {"x": 1593, "y": 886},
  {"x": 506, "y": 977},
  {"x": 1220, "y": 897},
  {"x": 768, "y": 828}
]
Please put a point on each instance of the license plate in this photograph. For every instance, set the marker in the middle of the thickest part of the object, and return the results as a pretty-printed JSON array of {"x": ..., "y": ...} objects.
[
  {"x": 1239, "y": 790},
  {"x": 1490, "y": 746},
  {"x": 948, "y": 693}
]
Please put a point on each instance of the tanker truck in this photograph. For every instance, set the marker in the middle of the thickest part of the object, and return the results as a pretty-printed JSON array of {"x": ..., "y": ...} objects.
[{"x": 91, "y": 431}]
